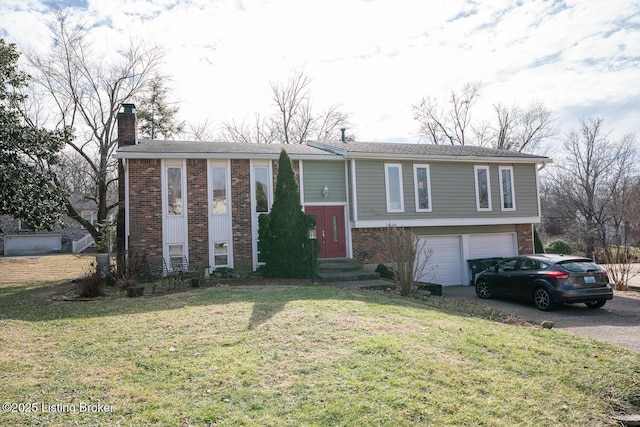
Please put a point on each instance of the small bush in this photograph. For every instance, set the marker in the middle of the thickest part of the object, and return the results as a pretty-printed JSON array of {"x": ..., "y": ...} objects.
[
  {"x": 225, "y": 273},
  {"x": 407, "y": 256},
  {"x": 132, "y": 269},
  {"x": 558, "y": 247},
  {"x": 91, "y": 286},
  {"x": 385, "y": 272}
]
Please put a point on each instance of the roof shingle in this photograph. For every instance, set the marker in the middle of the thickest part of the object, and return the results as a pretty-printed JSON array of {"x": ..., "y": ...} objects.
[{"x": 318, "y": 150}]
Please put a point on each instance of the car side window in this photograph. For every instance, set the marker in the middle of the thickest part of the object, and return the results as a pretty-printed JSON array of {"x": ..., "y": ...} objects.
[
  {"x": 528, "y": 264},
  {"x": 508, "y": 265},
  {"x": 543, "y": 265}
]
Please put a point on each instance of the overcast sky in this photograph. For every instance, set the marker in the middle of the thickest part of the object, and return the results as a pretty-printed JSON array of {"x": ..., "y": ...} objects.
[{"x": 377, "y": 57}]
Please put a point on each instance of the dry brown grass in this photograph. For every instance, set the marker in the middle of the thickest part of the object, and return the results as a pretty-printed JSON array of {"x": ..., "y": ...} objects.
[{"x": 44, "y": 269}]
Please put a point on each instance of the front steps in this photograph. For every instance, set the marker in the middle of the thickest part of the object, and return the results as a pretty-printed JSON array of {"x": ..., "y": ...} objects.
[{"x": 343, "y": 270}]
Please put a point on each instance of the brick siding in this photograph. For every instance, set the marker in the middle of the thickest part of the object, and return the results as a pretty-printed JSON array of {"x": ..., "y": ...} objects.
[
  {"x": 145, "y": 207},
  {"x": 525, "y": 238},
  {"x": 197, "y": 212},
  {"x": 241, "y": 214},
  {"x": 367, "y": 246}
]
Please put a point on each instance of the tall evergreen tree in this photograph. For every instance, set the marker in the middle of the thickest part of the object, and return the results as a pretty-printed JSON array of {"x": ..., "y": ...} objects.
[
  {"x": 537, "y": 243},
  {"x": 156, "y": 115},
  {"x": 284, "y": 246},
  {"x": 27, "y": 153}
]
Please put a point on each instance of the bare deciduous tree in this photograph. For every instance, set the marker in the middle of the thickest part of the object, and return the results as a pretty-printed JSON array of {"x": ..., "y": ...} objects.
[
  {"x": 261, "y": 130},
  {"x": 293, "y": 121},
  {"x": 521, "y": 130},
  {"x": 536, "y": 124},
  {"x": 447, "y": 127},
  {"x": 594, "y": 186},
  {"x": 294, "y": 105},
  {"x": 200, "y": 131},
  {"x": 512, "y": 128},
  {"x": 406, "y": 254},
  {"x": 87, "y": 93},
  {"x": 330, "y": 124},
  {"x": 507, "y": 119}
]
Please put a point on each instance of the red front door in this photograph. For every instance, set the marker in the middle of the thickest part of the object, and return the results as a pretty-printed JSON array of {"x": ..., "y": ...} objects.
[{"x": 330, "y": 220}]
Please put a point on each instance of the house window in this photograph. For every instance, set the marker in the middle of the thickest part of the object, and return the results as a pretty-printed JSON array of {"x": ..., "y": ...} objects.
[
  {"x": 262, "y": 189},
  {"x": 507, "y": 197},
  {"x": 22, "y": 226},
  {"x": 174, "y": 190},
  {"x": 393, "y": 181},
  {"x": 220, "y": 254},
  {"x": 483, "y": 189},
  {"x": 176, "y": 256},
  {"x": 422, "y": 179},
  {"x": 219, "y": 174}
]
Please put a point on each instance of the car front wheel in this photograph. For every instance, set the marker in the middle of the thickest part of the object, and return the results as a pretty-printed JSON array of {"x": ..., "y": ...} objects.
[
  {"x": 596, "y": 304},
  {"x": 543, "y": 300},
  {"x": 482, "y": 290}
]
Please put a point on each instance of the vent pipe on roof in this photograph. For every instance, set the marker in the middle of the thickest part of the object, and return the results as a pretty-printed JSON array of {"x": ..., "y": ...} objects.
[{"x": 342, "y": 136}]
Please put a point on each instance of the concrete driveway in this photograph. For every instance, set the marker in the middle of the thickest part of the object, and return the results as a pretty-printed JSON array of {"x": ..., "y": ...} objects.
[{"x": 618, "y": 322}]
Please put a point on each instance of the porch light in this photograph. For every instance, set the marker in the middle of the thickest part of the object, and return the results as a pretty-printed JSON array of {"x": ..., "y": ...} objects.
[
  {"x": 325, "y": 192},
  {"x": 312, "y": 235}
]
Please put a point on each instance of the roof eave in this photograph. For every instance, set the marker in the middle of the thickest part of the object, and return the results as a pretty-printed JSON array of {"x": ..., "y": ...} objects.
[
  {"x": 486, "y": 159},
  {"x": 232, "y": 156}
]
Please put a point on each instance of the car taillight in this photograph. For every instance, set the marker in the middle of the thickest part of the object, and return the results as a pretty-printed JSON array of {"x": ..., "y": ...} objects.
[{"x": 560, "y": 275}]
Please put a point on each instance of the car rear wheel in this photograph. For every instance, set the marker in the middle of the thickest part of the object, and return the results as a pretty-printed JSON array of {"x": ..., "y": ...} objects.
[
  {"x": 482, "y": 290},
  {"x": 543, "y": 300},
  {"x": 596, "y": 304}
]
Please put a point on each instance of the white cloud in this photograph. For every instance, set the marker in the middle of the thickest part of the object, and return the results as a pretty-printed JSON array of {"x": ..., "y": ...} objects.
[{"x": 376, "y": 57}]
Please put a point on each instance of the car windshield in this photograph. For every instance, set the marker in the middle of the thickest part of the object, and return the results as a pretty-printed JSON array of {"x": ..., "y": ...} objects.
[{"x": 580, "y": 266}]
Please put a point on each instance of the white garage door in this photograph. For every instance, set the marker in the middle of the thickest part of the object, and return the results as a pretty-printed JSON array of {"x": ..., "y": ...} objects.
[
  {"x": 492, "y": 245},
  {"x": 444, "y": 265},
  {"x": 31, "y": 244}
]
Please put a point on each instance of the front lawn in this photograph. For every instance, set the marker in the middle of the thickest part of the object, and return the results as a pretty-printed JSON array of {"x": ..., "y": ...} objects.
[{"x": 294, "y": 355}]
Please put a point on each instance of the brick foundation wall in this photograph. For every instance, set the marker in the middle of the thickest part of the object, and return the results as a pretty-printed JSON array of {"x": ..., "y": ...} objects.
[
  {"x": 197, "y": 211},
  {"x": 241, "y": 211},
  {"x": 367, "y": 246},
  {"x": 145, "y": 207},
  {"x": 525, "y": 238}
]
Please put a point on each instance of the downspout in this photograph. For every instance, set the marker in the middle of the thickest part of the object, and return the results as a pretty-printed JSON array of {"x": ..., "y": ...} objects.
[
  {"x": 544, "y": 164},
  {"x": 125, "y": 166}
]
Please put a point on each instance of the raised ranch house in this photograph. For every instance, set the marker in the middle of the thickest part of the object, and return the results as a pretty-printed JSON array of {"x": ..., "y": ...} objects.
[{"x": 202, "y": 199}]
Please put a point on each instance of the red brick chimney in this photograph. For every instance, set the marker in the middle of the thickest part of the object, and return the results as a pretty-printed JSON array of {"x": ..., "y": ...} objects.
[
  {"x": 127, "y": 135},
  {"x": 127, "y": 126}
]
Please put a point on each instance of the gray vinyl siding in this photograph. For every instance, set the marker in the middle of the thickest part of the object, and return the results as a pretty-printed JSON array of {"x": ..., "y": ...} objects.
[
  {"x": 469, "y": 229},
  {"x": 452, "y": 187},
  {"x": 317, "y": 174}
]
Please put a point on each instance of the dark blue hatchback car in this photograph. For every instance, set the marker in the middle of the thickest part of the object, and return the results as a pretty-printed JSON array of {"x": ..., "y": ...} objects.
[{"x": 547, "y": 280}]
